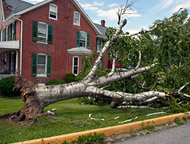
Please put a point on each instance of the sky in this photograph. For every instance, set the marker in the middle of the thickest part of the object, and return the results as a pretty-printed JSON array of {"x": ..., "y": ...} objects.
[{"x": 141, "y": 14}]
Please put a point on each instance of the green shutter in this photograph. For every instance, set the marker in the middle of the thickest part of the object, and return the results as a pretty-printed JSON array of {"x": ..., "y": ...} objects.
[
  {"x": 49, "y": 65},
  {"x": 102, "y": 64},
  {"x": 35, "y": 31},
  {"x": 5, "y": 34},
  {"x": 88, "y": 41},
  {"x": 34, "y": 66},
  {"x": 78, "y": 39},
  {"x": 14, "y": 31},
  {"x": 11, "y": 30},
  {"x": 50, "y": 34},
  {"x": 8, "y": 33}
]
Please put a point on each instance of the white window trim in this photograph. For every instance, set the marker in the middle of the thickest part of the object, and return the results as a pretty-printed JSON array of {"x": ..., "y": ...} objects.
[
  {"x": 46, "y": 33},
  {"x": 73, "y": 65},
  {"x": 42, "y": 75},
  {"x": 74, "y": 18},
  {"x": 85, "y": 38},
  {"x": 56, "y": 11}
]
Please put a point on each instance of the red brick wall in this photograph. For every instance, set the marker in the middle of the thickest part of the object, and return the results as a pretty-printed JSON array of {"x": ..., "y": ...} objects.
[{"x": 64, "y": 37}]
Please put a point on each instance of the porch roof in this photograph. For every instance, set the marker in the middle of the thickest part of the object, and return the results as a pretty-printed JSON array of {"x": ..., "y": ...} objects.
[
  {"x": 79, "y": 51},
  {"x": 9, "y": 45}
]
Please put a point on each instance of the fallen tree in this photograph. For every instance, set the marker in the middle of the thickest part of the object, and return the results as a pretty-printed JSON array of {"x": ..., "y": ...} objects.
[{"x": 37, "y": 98}]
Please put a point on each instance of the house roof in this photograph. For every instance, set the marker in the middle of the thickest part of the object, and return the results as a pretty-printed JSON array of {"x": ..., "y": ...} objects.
[
  {"x": 19, "y": 11},
  {"x": 13, "y": 6},
  {"x": 102, "y": 29}
]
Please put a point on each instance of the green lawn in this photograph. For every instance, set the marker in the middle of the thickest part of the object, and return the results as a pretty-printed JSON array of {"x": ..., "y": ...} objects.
[{"x": 70, "y": 117}]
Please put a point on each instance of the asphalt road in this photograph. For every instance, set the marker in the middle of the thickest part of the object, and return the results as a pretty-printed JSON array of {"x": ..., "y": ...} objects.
[{"x": 176, "y": 135}]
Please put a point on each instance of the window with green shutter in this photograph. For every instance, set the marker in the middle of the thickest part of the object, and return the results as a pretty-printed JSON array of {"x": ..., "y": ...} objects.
[
  {"x": 49, "y": 65},
  {"x": 42, "y": 32},
  {"x": 82, "y": 39},
  {"x": 34, "y": 64},
  {"x": 35, "y": 31},
  {"x": 50, "y": 34},
  {"x": 41, "y": 65}
]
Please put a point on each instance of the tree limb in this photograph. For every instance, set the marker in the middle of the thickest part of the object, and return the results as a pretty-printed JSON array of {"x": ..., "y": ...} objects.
[
  {"x": 118, "y": 76},
  {"x": 113, "y": 67},
  {"x": 93, "y": 91},
  {"x": 108, "y": 44},
  {"x": 139, "y": 61}
]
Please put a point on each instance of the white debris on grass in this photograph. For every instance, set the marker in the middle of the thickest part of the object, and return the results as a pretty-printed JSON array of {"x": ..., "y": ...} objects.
[
  {"x": 90, "y": 116},
  {"x": 129, "y": 120},
  {"x": 117, "y": 117},
  {"x": 54, "y": 109},
  {"x": 155, "y": 113},
  {"x": 49, "y": 113}
]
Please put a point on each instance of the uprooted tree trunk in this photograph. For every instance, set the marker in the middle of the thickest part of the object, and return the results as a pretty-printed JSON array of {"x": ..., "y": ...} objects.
[{"x": 37, "y": 98}]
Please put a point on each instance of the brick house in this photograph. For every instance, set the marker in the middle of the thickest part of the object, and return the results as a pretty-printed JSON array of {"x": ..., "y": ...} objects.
[{"x": 45, "y": 41}]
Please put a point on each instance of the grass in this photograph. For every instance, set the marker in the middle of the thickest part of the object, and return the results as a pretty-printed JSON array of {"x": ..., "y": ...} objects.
[{"x": 70, "y": 117}]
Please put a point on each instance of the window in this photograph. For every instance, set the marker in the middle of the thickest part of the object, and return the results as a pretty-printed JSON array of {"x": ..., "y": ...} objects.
[
  {"x": 83, "y": 39},
  {"x": 75, "y": 65},
  {"x": 76, "y": 19},
  {"x": 42, "y": 32},
  {"x": 99, "y": 44},
  {"x": 41, "y": 65},
  {"x": 53, "y": 11}
]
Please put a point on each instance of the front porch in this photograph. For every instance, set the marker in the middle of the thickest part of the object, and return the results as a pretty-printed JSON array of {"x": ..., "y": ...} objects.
[{"x": 8, "y": 58}]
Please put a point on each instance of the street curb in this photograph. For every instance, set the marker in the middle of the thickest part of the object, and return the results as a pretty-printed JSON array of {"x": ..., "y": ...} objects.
[{"x": 109, "y": 131}]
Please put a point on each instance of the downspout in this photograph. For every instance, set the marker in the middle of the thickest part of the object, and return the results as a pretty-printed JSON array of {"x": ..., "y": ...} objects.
[{"x": 21, "y": 37}]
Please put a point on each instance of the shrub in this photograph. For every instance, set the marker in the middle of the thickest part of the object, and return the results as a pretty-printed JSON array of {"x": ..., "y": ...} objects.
[
  {"x": 6, "y": 87},
  {"x": 70, "y": 77},
  {"x": 55, "y": 82},
  {"x": 89, "y": 139}
]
